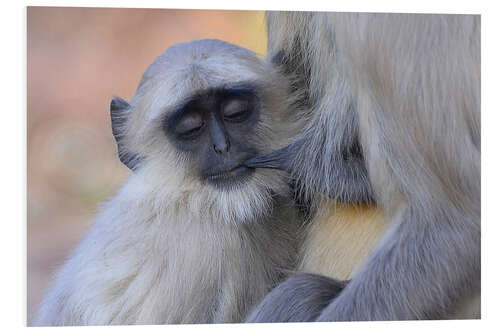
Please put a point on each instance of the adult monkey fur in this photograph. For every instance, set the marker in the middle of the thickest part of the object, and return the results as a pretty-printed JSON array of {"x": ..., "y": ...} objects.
[
  {"x": 393, "y": 102},
  {"x": 193, "y": 236}
]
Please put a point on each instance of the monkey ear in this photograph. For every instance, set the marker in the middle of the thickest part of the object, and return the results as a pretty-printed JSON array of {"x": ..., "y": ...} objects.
[{"x": 120, "y": 110}]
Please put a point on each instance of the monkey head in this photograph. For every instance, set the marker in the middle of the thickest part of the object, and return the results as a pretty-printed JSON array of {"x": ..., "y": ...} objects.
[{"x": 201, "y": 110}]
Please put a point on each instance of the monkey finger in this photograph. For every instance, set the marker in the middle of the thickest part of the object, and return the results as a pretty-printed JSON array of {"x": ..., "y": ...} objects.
[{"x": 278, "y": 159}]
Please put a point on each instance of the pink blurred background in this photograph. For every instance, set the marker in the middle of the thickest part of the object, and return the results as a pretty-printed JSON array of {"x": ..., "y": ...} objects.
[{"x": 78, "y": 58}]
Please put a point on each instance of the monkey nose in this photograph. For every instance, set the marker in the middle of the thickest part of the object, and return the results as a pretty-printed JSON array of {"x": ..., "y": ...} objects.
[
  {"x": 222, "y": 146},
  {"x": 219, "y": 136}
]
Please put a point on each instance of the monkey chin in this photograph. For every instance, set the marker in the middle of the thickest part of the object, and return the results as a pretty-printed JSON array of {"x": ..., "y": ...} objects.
[{"x": 246, "y": 196}]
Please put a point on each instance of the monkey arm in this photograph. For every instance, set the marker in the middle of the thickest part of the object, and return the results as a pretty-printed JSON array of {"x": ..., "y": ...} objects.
[
  {"x": 345, "y": 180},
  {"x": 299, "y": 299}
]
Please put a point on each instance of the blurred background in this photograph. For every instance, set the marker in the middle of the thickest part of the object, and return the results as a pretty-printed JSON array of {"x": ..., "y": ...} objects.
[{"x": 78, "y": 58}]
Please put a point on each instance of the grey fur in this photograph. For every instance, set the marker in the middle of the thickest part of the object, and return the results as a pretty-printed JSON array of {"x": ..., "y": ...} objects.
[
  {"x": 300, "y": 298},
  {"x": 409, "y": 86},
  {"x": 169, "y": 248}
]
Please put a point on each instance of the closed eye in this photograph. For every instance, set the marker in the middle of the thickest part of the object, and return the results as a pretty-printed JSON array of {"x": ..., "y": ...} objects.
[
  {"x": 189, "y": 126},
  {"x": 238, "y": 116},
  {"x": 236, "y": 110},
  {"x": 192, "y": 132}
]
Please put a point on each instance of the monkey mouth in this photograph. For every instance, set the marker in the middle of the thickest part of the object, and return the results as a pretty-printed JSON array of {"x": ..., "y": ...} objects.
[
  {"x": 230, "y": 177},
  {"x": 233, "y": 172}
]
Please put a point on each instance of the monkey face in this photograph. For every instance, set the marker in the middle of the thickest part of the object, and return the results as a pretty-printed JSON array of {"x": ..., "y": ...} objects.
[
  {"x": 201, "y": 110},
  {"x": 215, "y": 127}
]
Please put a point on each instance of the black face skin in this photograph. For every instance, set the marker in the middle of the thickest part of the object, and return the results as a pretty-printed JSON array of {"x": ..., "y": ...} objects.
[{"x": 216, "y": 127}]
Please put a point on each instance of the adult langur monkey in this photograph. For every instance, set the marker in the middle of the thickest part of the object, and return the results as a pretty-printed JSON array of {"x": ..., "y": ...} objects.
[
  {"x": 393, "y": 102},
  {"x": 194, "y": 236}
]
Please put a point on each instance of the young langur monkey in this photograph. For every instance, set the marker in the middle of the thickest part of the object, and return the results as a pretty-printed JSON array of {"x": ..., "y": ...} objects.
[
  {"x": 194, "y": 236},
  {"x": 393, "y": 102}
]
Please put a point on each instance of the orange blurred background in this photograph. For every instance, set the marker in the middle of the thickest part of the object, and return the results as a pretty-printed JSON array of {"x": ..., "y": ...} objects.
[{"x": 78, "y": 58}]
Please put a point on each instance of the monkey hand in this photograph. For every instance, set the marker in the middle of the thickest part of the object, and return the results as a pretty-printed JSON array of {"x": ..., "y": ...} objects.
[
  {"x": 280, "y": 159},
  {"x": 301, "y": 298}
]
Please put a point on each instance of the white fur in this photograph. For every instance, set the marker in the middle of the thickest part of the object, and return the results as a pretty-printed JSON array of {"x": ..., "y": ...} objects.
[{"x": 169, "y": 248}]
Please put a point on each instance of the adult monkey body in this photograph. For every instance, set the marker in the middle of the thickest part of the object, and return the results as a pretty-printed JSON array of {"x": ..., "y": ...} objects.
[
  {"x": 394, "y": 108},
  {"x": 193, "y": 236}
]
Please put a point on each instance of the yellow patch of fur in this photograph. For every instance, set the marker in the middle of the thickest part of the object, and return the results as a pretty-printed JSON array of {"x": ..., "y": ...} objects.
[{"x": 341, "y": 238}]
